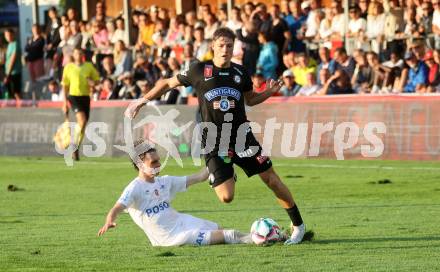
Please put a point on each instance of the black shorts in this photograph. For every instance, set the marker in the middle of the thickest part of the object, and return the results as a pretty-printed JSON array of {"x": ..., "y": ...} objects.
[
  {"x": 80, "y": 104},
  {"x": 251, "y": 161}
]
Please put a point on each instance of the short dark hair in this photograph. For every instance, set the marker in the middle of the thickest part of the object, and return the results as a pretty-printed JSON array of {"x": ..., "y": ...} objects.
[
  {"x": 149, "y": 149},
  {"x": 10, "y": 30},
  {"x": 341, "y": 50},
  {"x": 53, "y": 83},
  {"x": 223, "y": 32}
]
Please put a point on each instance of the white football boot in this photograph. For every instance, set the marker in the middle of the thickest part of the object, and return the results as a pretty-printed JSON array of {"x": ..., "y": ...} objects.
[{"x": 297, "y": 235}]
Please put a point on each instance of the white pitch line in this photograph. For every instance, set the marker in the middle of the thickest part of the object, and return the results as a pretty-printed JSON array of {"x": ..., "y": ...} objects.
[
  {"x": 311, "y": 165},
  {"x": 379, "y": 167}
]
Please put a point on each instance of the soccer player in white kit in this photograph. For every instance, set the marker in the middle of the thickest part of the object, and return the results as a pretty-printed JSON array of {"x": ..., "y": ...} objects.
[{"x": 147, "y": 199}]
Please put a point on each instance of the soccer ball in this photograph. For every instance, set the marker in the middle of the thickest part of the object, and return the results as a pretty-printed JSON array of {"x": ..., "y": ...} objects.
[{"x": 265, "y": 231}]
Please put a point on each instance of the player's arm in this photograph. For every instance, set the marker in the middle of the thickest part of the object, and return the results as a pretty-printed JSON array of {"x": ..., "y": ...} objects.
[
  {"x": 253, "y": 98},
  {"x": 161, "y": 87},
  {"x": 198, "y": 177},
  {"x": 66, "y": 85},
  {"x": 111, "y": 218}
]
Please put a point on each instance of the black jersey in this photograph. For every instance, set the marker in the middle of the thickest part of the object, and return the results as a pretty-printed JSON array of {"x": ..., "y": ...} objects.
[{"x": 220, "y": 92}]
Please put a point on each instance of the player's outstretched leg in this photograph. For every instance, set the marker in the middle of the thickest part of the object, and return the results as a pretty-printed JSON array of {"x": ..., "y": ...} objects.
[
  {"x": 229, "y": 237},
  {"x": 284, "y": 197}
]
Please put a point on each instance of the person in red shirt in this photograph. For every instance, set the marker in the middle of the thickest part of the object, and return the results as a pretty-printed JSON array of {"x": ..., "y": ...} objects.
[{"x": 433, "y": 75}]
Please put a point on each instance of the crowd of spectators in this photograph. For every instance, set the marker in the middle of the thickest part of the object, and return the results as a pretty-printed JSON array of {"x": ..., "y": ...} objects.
[{"x": 386, "y": 46}]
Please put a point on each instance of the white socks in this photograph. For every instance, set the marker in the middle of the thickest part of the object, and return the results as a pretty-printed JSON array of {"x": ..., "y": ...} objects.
[{"x": 236, "y": 237}]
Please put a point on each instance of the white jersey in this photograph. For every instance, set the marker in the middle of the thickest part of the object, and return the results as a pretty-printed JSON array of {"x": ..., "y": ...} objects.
[{"x": 149, "y": 206}]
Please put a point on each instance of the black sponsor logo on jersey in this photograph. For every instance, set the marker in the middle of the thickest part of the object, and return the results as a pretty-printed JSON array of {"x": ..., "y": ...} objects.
[{"x": 222, "y": 91}]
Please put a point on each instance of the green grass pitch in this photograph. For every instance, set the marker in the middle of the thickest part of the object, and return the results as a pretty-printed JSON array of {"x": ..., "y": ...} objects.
[{"x": 366, "y": 216}]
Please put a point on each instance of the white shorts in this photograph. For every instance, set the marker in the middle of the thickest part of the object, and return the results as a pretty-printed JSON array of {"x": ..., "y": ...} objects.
[{"x": 192, "y": 231}]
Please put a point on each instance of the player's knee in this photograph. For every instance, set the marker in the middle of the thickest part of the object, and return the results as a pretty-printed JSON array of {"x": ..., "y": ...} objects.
[{"x": 226, "y": 198}]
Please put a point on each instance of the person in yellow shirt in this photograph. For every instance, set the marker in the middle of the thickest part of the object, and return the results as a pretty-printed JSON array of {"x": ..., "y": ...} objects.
[
  {"x": 78, "y": 79},
  {"x": 304, "y": 67},
  {"x": 146, "y": 31}
]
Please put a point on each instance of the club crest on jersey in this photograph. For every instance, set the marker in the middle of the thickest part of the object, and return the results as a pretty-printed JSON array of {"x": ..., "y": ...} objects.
[
  {"x": 237, "y": 79},
  {"x": 207, "y": 72},
  {"x": 223, "y": 104}
]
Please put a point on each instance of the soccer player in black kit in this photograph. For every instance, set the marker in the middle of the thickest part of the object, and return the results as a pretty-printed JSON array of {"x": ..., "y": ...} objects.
[{"x": 223, "y": 88}]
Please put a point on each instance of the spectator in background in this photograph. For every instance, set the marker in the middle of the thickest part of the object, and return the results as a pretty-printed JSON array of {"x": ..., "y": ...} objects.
[
  {"x": 378, "y": 73},
  {"x": 146, "y": 31},
  {"x": 191, "y": 18},
  {"x": 311, "y": 87},
  {"x": 261, "y": 18},
  {"x": 251, "y": 46},
  {"x": 110, "y": 26},
  {"x": 188, "y": 60},
  {"x": 74, "y": 40},
  {"x": 393, "y": 69},
  {"x": 295, "y": 21},
  {"x": 87, "y": 39},
  {"x": 201, "y": 45},
  {"x": 279, "y": 31},
  {"x": 290, "y": 87},
  {"x": 56, "y": 93},
  {"x": 312, "y": 22},
  {"x": 338, "y": 83},
  {"x": 122, "y": 58},
  {"x": 258, "y": 83},
  {"x": 119, "y": 32},
  {"x": 344, "y": 62},
  {"x": 211, "y": 25},
  {"x": 323, "y": 76},
  {"x": 284, "y": 7},
  {"x": 326, "y": 63},
  {"x": 436, "y": 58},
  {"x": 52, "y": 39},
  {"x": 424, "y": 24},
  {"x": 12, "y": 79},
  {"x": 303, "y": 67},
  {"x": 363, "y": 5},
  {"x": 338, "y": 25},
  {"x": 222, "y": 15},
  {"x": 108, "y": 68},
  {"x": 268, "y": 59},
  {"x": 144, "y": 70},
  {"x": 248, "y": 8},
  {"x": 106, "y": 90},
  {"x": 35, "y": 54},
  {"x": 417, "y": 74},
  {"x": 235, "y": 22},
  {"x": 363, "y": 76},
  {"x": 433, "y": 72},
  {"x": 100, "y": 13},
  {"x": 129, "y": 90},
  {"x": 289, "y": 60},
  {"x": 134, "y": 36},
  {"x": 356, "y": 27},
  {"x": 71, "y": 14},
  {"x": 325, "y": 28},
  {"x": 174, "y": 35},
  {"x": 375, "y": 26}
]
